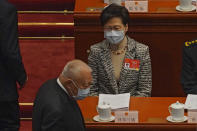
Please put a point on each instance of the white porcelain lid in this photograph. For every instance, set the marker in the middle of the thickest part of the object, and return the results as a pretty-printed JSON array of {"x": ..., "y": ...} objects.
[
  {"x": 177, "y": 105},
  {"x": 104, "y": 105}
]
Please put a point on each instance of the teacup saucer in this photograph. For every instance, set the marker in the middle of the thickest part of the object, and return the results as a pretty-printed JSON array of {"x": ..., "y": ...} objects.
[
  {"x": 191, "y": 9},
  {"x": 96, "y": 118},
  {"x": 169, "y": 118}
]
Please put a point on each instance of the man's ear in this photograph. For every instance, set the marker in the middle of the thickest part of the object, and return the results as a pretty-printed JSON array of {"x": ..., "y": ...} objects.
[
  {"x": 70, "y": 87},
  {"x": 67, "y": 81},
  {"x": 64, "y": 80}
]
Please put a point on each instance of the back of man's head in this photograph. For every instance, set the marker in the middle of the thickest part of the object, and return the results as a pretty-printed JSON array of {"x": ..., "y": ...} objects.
[{"x": 75, "y": 69}]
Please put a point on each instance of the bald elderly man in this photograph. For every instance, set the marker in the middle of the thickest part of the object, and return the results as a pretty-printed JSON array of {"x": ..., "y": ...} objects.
[{"x": 55, "y": 107}]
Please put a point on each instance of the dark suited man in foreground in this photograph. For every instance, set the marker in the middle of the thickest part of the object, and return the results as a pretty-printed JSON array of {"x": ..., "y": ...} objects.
[
  {"x": 55, "y": 107},
  {"x": 189, "y": 67},
  {"x": 11, "y": 68}
]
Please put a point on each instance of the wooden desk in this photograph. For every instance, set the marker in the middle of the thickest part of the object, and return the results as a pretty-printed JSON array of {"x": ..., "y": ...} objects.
[
  {"x": 163, "y": 29},
  {"x": 152, "y": 115}
]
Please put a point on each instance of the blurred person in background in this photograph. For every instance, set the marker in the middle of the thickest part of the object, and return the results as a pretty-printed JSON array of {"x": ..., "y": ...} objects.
[{"x": 11, "y": 68}]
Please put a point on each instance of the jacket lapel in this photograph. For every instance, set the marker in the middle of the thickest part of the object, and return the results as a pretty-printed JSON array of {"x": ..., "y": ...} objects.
[
  {"x": 107, "y": 63},
  {"x": 108, "y": 67},
  {"x": 131, "y": 54}
]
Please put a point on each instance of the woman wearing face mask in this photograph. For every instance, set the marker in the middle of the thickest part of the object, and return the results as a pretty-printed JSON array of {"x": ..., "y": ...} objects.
[{"x": 120, "y": 64}]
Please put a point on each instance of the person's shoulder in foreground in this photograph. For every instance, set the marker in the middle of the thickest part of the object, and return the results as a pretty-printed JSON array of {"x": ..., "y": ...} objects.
[
  {"x": 189, "y": 67},
  {"x": 9, "y": 46},
  {"x": 5, "y": 6},
  {"x": 55, "y": 107}
]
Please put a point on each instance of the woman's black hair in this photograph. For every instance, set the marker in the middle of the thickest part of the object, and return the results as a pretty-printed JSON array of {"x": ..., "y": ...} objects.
[{"x": 112, "y": 11}]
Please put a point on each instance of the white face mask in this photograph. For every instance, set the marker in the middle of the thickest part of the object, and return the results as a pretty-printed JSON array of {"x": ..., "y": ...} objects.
[
  {"x": 82, "y": 93},
  {"x": 114, "y": 37}
]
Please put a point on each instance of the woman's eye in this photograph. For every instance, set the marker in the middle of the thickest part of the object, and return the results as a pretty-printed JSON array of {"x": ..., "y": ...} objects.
[{"x": 117, "y": 29}]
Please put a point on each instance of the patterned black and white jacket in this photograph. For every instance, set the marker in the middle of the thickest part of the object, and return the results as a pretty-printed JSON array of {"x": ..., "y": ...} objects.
[{"x": 135, "y": 82}]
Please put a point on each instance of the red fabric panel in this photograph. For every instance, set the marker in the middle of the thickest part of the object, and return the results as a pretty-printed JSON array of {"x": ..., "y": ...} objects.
[
  {"x": 46, "y": 31},
  {"x": 43, "y": 60},
  {"x": 143, "y": 127},
  {"x": 27, "y": 126},
  {"x": 26, "y": 111},
  {"x": 45, "y": 18},
  {"x": 44, "y": 4}
]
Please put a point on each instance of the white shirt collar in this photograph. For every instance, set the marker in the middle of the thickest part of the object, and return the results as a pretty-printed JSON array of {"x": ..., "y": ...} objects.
[{"x": 60, "y": 84}]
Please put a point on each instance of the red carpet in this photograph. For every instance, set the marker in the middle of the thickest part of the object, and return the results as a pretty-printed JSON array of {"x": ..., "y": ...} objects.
[
  {"x": 43, "y": 60},
  {"x": 26, "y": 125}
]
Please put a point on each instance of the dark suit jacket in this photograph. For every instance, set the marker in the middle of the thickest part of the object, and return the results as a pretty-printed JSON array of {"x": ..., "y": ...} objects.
[
  {"x": 11, "y": 66},
  {"x": 54, "y": 110},
  {"x": 189, "y": 68}
]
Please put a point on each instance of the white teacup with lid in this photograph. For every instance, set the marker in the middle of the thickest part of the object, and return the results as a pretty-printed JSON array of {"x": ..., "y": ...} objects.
[
  {"x": 104, "y": 111},
  {"x": 185, "y": 4},
  {"x": 177, "y": 111},
  {"x": 118, "y": 2}
]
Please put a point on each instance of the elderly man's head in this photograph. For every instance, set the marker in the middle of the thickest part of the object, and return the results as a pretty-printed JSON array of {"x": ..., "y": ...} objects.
[{"x": 76, "y": 74}]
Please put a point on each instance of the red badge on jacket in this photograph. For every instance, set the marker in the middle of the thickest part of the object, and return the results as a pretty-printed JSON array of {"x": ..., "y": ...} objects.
[{"x": 132, "y": 64}]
